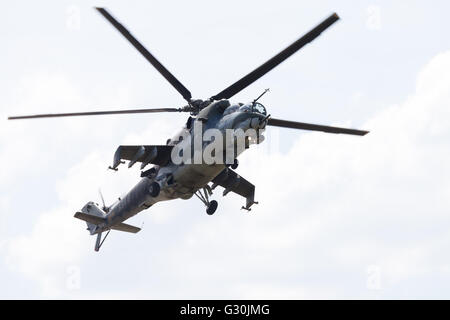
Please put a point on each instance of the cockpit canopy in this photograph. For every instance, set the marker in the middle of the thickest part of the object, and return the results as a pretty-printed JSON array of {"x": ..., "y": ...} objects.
[{"x": 248, "y": 107}]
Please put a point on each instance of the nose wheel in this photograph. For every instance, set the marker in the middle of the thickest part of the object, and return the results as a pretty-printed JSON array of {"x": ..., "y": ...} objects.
[
  {"x": 212, "y": 207},
  {"x": 203, "y": 194}
]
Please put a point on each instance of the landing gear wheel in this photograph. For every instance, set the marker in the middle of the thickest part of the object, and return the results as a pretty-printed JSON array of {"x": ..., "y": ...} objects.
[
  {"x": 212, "y": 207},
  {"x": 154, "y": 189},
  {"x": 235, "y": 164}
]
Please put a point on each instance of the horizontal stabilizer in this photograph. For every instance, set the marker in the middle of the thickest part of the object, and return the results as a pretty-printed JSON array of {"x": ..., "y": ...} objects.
[
  {"x": 125, "y": 228},
  {"x": 89, "y": 218}
]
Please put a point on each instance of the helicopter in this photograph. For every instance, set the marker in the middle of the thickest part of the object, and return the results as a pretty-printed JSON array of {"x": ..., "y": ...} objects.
[{"x": 175, "y": 173}]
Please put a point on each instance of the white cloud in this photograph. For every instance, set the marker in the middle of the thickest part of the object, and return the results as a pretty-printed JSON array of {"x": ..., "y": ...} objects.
[
  {"x": 373, "y": 18},
  {"x": 333, "y": 205},
  {"x": 329, "y": 208}
]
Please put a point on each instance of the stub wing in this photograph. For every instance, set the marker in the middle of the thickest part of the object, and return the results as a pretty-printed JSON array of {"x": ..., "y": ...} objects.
[
  {"x": 159, "y": 155},
  {"x": 231, "y": 181}
]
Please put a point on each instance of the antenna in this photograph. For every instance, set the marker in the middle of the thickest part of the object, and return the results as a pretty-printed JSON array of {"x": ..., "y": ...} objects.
[{"x": 265, "y": 91}]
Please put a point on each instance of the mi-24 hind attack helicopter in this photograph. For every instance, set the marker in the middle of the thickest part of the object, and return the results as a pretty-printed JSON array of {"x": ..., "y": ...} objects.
[{"x": 168, "y": 180}]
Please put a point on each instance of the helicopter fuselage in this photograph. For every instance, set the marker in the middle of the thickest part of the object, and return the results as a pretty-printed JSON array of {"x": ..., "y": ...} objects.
[{"x": 183, "y": 180}]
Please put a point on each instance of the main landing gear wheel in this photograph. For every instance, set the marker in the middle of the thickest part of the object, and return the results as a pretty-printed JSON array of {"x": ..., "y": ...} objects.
[
  {"x": 154, "y": 189},
  {"x": 212, "y": 207}
]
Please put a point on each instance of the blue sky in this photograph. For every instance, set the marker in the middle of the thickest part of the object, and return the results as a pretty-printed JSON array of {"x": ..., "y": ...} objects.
[{"x": 339, "y": 217}]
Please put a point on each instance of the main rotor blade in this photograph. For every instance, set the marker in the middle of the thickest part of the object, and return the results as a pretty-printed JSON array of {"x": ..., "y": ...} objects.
[
  {"x": 276, "y": 60},
  {"x": 94, "y": 113},
  {"x": 313, "y": 127},
  {"x": 147, "y": 55}
]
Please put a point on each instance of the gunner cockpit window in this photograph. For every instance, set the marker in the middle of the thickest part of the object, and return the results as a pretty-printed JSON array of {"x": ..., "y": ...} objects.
[{"x": 258, "y": 107}]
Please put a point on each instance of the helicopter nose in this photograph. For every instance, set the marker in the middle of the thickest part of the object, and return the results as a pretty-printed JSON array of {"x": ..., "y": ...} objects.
[
  {"x": 247, "y": 120},
  {"x": 262, "y": 123},
  {"x": 258, "y": 122},
  {"x": 254, "y": 123}
]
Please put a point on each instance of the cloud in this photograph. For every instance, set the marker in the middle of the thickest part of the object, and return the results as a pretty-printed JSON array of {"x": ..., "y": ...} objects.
[
  {"x": 334, "y": 205},
  {"x": 330, "y": 207}
]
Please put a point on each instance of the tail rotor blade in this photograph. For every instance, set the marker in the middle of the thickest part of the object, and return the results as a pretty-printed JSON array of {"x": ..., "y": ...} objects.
[{"x": 103, "y": 199}]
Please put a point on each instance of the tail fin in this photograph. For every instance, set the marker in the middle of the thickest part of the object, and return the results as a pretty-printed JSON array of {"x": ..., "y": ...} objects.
[
  {"x": 93, "y": 215},
  {"x": 96, "y": 221}
]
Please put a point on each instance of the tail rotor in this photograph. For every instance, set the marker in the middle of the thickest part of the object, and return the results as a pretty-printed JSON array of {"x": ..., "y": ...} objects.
[{"x": 104, "y": 207}]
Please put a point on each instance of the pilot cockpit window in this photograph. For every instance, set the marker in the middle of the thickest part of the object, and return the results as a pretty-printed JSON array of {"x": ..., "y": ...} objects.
[
  {"x": 246, "y": 108},
  {"x": 258, "y": 107},
  {"x": 231, "y": 109}
]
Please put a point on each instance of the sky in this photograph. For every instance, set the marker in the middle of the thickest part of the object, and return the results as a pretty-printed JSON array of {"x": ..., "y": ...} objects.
[{"x": 339, "y": 217}]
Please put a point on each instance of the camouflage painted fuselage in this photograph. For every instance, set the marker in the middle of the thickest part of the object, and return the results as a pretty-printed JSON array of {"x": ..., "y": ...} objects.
[{"x": 183, "y": 180}]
